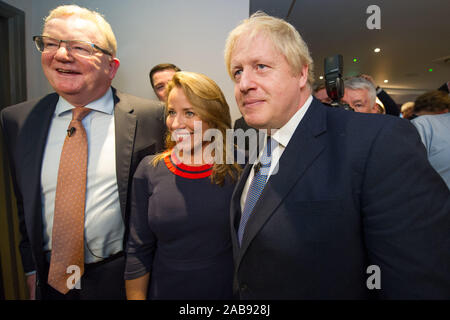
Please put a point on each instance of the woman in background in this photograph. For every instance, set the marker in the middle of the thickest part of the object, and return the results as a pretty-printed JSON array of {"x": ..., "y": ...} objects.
[{"x": 179, "y": 245}]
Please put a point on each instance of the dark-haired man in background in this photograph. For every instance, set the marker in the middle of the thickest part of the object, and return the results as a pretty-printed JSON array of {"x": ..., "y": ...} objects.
[{"x": 160, "y": 75}]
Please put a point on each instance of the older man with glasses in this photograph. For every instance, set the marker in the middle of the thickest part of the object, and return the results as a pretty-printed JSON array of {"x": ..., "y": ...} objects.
[{"x": 72, "y": 154}]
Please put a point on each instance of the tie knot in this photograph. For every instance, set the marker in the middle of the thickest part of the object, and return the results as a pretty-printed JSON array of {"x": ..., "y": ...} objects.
[{"x": 78, "y": 113}]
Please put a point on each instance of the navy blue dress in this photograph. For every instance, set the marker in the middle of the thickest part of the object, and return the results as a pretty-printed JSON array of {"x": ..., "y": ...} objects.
[{"x": 180, "y": 232}]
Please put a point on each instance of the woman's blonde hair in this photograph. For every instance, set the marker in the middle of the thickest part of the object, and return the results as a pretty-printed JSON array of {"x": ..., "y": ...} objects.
[
  {"x": 109, "y": 43},
  {"x": 284, "y": 37},
  {"x": 209, "y": 103}
]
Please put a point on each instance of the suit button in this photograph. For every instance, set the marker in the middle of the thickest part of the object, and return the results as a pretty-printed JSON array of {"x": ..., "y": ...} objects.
[{"x": 243, "y": 287}]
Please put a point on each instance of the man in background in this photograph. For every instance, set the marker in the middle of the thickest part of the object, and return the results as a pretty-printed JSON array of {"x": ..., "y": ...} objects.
[
  {"x": 384, "y": 103},
  {"x": 160, "y": 75},
  {"x": 384, "y": 100},
  {"x": 360, "y": 94},
  {"x": 320, "y": 92},
  {"x": 433, "y": 125}
]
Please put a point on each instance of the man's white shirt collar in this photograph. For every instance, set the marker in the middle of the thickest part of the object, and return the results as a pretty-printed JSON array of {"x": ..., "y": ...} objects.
[
  {"x": 284, "y": 134},
  {"x": 105, "y": 104}
]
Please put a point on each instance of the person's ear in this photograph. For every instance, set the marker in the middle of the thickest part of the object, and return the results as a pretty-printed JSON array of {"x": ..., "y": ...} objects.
[
  {"x": 303, "y": 76},
  {"x": 114, "y": 64}
]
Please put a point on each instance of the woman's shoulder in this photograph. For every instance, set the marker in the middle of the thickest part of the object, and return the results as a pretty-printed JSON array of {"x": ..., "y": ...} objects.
[{"x": 149, "y": 164}]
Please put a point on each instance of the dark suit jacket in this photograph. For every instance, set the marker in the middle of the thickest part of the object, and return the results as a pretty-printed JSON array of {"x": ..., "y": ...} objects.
[
  {"x": 352, "y": 190},
  {"x": 241, "y": 124},
  {"x": 139, "y": 132},
  {"x": 444, "y": 87},
  {"x": 389, "y": 104}
]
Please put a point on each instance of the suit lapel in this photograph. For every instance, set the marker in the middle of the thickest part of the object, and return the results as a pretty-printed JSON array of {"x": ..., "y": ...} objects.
[
  {"x": 236, "y": 205},
  {"x": 125, "y": 129},
  {"x": 304, "y": 147}
]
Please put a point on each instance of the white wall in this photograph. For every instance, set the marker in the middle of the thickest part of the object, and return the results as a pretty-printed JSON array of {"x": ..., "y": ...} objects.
[{"x": 188, "y": 33}]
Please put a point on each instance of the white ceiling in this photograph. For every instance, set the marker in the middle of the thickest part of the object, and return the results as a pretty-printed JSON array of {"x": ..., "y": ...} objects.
[{"x": 414, "y": 37}]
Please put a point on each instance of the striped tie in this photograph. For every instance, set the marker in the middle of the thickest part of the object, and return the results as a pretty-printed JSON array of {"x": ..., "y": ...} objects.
[{"x": 256, "y": 187}]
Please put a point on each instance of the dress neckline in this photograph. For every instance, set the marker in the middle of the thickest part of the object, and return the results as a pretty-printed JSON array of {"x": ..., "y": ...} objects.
[{"x": 187, "y": 171}]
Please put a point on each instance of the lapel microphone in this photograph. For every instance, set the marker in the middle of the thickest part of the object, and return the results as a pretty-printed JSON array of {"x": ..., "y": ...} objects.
[
  {"x": 257, "y": 167},
  {"x": 70, "y": 131}
]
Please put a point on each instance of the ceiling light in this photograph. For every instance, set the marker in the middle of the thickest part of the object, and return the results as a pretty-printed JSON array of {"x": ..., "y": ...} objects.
[
  {"x": 377, "y": 50},
  {"x": 321, "y": 77},
  {"x": 386, "y": 81}
]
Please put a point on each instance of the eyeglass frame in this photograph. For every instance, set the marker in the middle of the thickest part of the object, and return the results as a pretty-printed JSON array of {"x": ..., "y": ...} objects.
[{"x": 93, "y": 45}]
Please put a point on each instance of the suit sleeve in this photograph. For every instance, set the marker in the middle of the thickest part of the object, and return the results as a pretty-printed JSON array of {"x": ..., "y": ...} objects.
[
  {"x": 389, "y": 103},
  {"x": 141, "y": 242},
  {"x": 24, "y": 245},
  {"x": 406, "y": 216}
]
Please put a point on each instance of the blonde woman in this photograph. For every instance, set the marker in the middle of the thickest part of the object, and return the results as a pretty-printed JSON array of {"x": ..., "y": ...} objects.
[{"x": 179, "y": 245}]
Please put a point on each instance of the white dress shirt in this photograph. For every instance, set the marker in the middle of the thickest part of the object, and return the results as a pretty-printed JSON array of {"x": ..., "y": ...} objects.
[
  {"x": 104, "y": 227},
  {"x": 281, "y": 139}
]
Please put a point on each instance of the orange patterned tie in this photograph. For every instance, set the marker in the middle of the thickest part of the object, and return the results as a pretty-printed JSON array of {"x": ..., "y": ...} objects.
[{"x": 70, "y": 198}]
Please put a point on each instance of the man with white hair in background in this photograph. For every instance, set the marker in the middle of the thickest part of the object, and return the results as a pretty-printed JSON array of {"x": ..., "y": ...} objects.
[{"x": 360, "y": 94}]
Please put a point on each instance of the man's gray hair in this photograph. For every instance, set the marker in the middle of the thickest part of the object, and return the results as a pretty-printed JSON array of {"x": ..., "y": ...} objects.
[{"x": 357, "y": 83}]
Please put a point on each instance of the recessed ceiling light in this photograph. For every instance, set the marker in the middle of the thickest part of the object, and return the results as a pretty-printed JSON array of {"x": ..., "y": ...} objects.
[
  {"x": 386, "y": 81},
  {"x": 377, "y": 50}
]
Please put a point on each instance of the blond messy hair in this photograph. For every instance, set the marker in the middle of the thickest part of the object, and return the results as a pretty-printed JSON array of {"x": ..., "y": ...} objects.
[
  {"x": 209, "y": 103},
  {"x": 284, "y": 37},
  {"x": 104, "y": 27}
]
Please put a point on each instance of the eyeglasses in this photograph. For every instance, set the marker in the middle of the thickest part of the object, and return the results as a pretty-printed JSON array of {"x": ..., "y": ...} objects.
[{"x": 78, "y": 47}]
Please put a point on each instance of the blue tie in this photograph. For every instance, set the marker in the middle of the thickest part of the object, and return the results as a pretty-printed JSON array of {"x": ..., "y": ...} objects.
[{"x": 256, "y": 187}]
